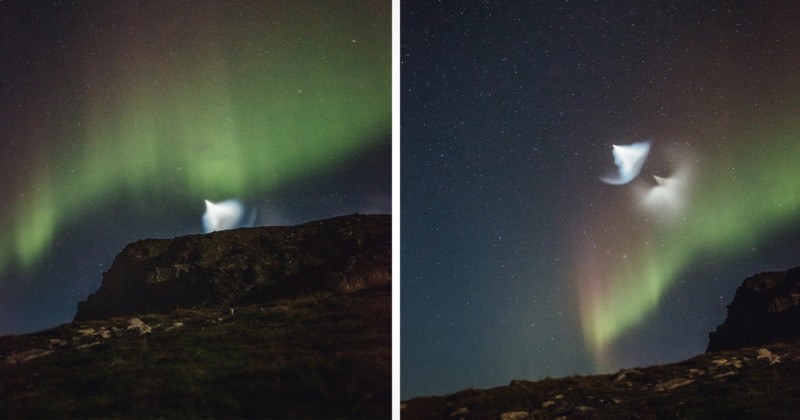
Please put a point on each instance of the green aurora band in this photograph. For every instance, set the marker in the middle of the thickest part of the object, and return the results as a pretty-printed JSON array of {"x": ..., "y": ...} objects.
[
  {"x": 744, "y": 191},
  {"x": 214, "y": 103}
]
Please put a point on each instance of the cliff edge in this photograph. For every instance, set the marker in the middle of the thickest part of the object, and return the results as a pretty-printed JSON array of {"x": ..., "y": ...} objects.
[
  {"x": 765, "y": 310},
  {"x": 242, "y": 266}
]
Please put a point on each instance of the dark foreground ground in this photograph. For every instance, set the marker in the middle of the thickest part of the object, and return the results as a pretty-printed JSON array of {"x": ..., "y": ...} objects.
[
  {"x": 752, "y": 383},
  {"x": 314, "y": 357}
]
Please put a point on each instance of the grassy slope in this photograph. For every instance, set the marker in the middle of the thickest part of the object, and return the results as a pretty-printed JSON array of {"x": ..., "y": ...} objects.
[
  {"x": 311, "y": 357},
  {"x": 730, "y": 384}
]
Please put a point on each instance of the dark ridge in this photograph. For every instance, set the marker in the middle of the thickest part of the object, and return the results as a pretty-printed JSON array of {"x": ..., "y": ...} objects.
[
  {"x": 747, "y": 383},
  {"x": 765, "y": 310},
  {"x": 244, "y": 266},
  {"x": 272, "y": 322}
]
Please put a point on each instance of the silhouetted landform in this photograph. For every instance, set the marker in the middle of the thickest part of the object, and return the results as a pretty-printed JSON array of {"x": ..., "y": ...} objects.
[
  {"x": 752, "y": 383},
  {"x": 247, "y": 265},
  {"x": 751, "y": 370},
  {"x": 280, "y": 322},
  {"x": 309, "y": 357},
  {"x": 765, "y": 310}
]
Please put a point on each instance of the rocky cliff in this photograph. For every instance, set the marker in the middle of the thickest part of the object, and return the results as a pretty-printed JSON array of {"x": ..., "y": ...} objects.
[
  {"x": 765, "y": 309},
  {"x": 242, "y": 266}
]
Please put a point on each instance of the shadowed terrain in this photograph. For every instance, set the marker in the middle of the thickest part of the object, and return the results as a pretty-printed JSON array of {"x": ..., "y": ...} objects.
[
  {"x": 246, "y": 265},
  {"x": 322, "y": 349},
  {"x": 753, "y": 383}
]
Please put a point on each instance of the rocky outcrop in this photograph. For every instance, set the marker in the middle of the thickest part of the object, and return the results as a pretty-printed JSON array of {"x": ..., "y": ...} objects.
[
  {"x": 765, "y": 309},
  {"x": 243, "y": 266}
]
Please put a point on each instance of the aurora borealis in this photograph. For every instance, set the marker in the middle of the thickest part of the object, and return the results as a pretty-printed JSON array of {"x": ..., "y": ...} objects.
[
  {"x": 736, "y": 203},
  {"x": 129, "y": 115},
  {"x": 520, "y": 260},
  {"x": 526, "y": 250}
]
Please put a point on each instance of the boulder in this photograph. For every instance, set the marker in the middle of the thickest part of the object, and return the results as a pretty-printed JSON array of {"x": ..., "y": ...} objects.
[{"x": 765, "y": 310}]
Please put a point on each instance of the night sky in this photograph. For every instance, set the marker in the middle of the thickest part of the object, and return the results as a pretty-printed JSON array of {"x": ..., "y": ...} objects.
[
  {"x": 119, "y": 119},
  {"x": 517, "y": 260}
]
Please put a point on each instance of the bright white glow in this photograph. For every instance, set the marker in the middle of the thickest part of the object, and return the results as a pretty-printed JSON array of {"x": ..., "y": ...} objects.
[
  {"x": 666, "y": 196},
  {"x": 667, "y": 199},
  {"x": 629, "y": 160},
  {"x": 221, "y": 216}
]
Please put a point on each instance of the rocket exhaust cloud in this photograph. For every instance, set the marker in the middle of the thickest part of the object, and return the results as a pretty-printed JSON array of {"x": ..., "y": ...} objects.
[
  {"x": 640, "y": 274},
  {"x": 629, "y": 160},
  {"x": 225, "y": 215}
]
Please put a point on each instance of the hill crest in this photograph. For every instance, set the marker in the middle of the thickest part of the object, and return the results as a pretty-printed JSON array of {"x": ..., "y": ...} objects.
[
  {"x": 277, "y": 322},
  {"x": 246, "y": 265}
]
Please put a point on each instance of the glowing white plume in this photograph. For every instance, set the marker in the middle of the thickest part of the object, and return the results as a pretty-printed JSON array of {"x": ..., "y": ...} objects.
[
  {"x": 666, "y": 200},
  {"x": 225, "y": 215},
  {"x": 629, "y": 160}
]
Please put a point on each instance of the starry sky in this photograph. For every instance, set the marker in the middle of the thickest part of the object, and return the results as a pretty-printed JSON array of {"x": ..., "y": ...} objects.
[
  {"x": 119, "y": 119},
  {"x": 517, "y": 260}
]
